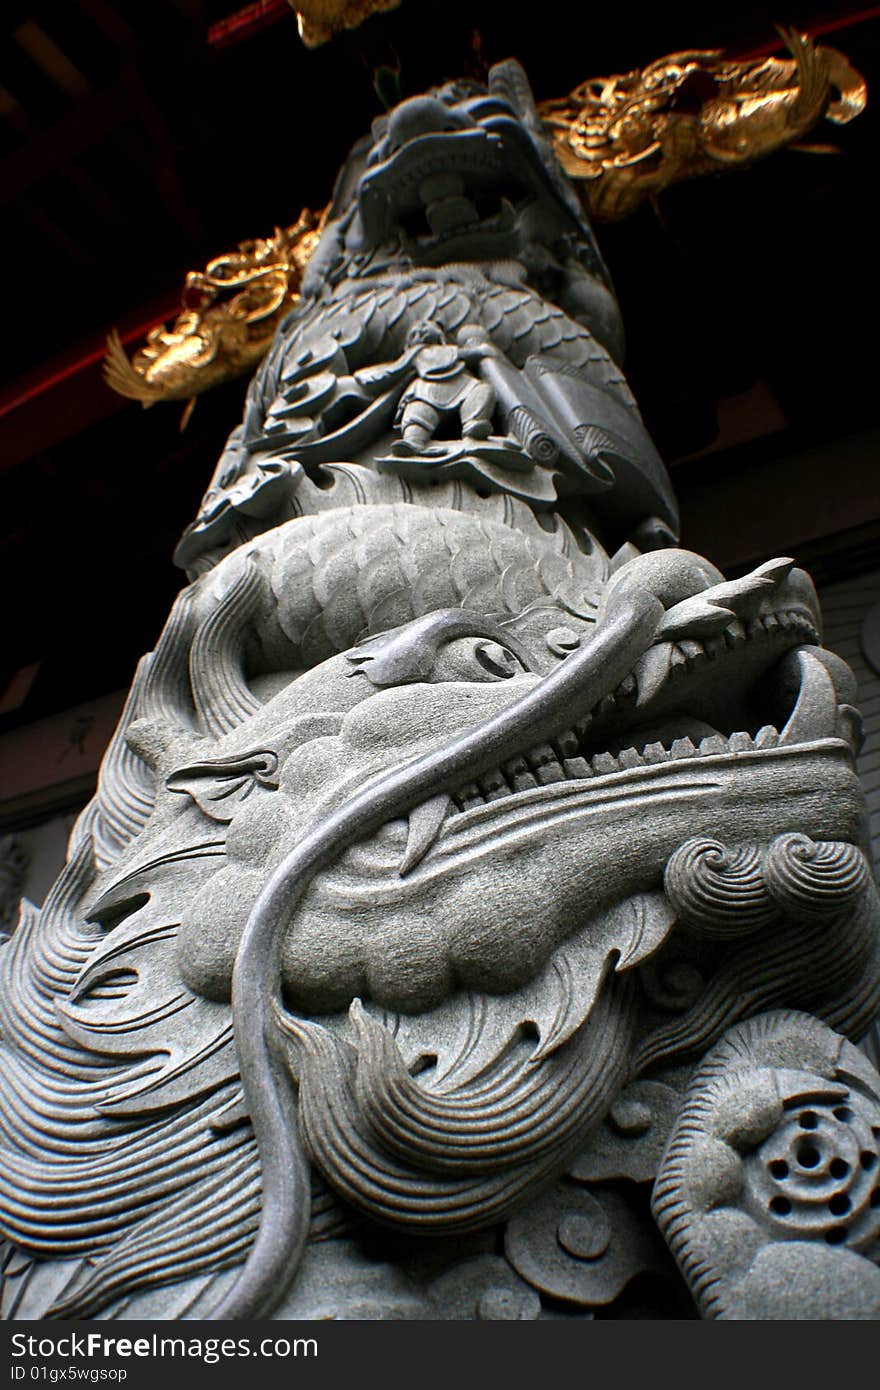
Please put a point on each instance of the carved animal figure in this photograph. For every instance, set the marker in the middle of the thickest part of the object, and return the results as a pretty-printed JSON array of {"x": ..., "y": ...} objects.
[
  {"x": 622, "y": 139},
  {"x": 463, "y": 841},
  {"x": 631, "y": 135},
  {"x": 230, "y": 313},
  {"x": 320, "y": 20}
]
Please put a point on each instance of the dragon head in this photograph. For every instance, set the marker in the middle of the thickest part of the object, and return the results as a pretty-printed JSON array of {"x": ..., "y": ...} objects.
[
  {"x": 464, "y": 173},
  {"x": 628, "y": 136},
  {"x": 697, "y": 730},
  {"x": 360, "y": 856}
]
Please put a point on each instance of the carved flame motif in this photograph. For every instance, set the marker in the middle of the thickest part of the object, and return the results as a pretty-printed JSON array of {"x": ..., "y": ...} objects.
[{"x": 628, "y": 136}]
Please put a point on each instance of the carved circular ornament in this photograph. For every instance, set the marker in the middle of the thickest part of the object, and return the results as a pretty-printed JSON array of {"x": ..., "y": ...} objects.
[
  {"x": 818, "y": 1175},
  {"x": 581, "y": 1247}
]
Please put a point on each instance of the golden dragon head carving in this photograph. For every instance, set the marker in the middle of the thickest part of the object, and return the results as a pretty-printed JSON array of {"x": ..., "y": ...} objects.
[
  {"x": 621, "y": 138},
  {"x": 230, "y": 311},
  {"x": 628, "y": 136},
  {"x": 321, "y": 20}
]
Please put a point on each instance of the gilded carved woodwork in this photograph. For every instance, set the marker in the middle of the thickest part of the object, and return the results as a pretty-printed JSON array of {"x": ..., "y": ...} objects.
[
  {"x": 229, "y": 316},
  {"x": 321, "y": 20},
  {"x": 627, "y": 137}
]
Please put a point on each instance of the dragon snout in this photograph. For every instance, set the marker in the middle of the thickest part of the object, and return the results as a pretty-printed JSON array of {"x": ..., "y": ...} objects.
[{"x": 425, "y": 115}]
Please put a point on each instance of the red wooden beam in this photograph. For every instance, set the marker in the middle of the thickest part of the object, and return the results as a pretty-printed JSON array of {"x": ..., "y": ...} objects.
[
  {"x": 69, "y": 393},
  {"x": 246, "y": 22},
  {"x": 830, "y": 22}
]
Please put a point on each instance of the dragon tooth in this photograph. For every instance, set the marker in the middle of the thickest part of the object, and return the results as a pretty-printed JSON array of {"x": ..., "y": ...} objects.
[
  {"x": 507, "y": 217},
  {"x": 741, "y": 742},
  {"x": 549, "y": 772},
  {"x": 494, "y": 785},
  {"x": 815, "y": 713},
  {"x": 629, "y": 757},
  {"x": 655, "y": 753},
  {"x": 576, "y": 768},
  {"x": 538, "y": 757},
  {"x": 713, "y": 743},
  {"x": 691, "y": 649},
  {"x": 520, "y": 775},
  {"x": 682, "y": 748},
  {"x": 425, "y": 824},
  {"x": 604, "y": 763},
  {"x": 652, "y": 671},
  {"x": 567, "y": 744},
  {"x": 734, "y": 634},
  {"x": 767, "y": 737}
]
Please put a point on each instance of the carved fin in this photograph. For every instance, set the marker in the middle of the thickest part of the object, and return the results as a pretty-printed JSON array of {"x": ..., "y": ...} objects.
[{"x": 122, "y": 377}]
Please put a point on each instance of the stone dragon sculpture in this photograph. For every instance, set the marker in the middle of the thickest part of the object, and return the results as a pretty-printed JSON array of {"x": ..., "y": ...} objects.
[
  {"x": 622, "y": 139},
  {"x": 469, "y": 858}
]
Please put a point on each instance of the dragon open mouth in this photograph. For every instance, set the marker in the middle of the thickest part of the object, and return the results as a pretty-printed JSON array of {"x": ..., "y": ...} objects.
[
  {"x": 759, "y": 685},
  {"x": 442, "y": 187},
  {"x": 442, "y": 175}
]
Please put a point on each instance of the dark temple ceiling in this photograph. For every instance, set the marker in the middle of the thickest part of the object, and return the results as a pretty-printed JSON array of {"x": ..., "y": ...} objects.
[{"x": 138, "y": 140}]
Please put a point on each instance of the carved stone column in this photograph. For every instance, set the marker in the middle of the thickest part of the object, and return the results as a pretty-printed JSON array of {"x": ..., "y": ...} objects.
[{"x": 462, "y": 840}]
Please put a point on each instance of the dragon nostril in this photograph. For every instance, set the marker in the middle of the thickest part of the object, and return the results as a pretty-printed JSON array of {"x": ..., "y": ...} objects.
[
  {"x": 422, "y": 116},
  {"x": 671, "y": 574}
]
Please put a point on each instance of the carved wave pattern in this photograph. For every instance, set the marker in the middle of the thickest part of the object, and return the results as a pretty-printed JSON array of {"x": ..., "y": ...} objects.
[
  {"x": 822, "y": 953},
  {"x": 75, "y": 1183}
]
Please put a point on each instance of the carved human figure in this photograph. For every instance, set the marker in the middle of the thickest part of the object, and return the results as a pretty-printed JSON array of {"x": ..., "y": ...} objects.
[{"x": 443, "y": 386}]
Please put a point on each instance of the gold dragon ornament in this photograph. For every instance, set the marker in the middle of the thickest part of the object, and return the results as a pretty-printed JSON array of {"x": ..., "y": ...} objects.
[
  {"x": 230, "y": 312},
  {"x": 624, "y": 138},
  {"x": 320, "y": 20},
  {"x": 629, "y": 136}
]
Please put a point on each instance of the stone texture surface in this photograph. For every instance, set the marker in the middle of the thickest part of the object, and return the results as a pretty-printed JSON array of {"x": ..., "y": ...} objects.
[{"x": 455, "y": 817}]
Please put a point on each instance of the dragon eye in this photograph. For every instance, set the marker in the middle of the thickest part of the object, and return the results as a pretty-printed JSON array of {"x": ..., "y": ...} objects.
[
  {"x": 497, "y": 660},
  {"x": 476, "y": 659}
]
